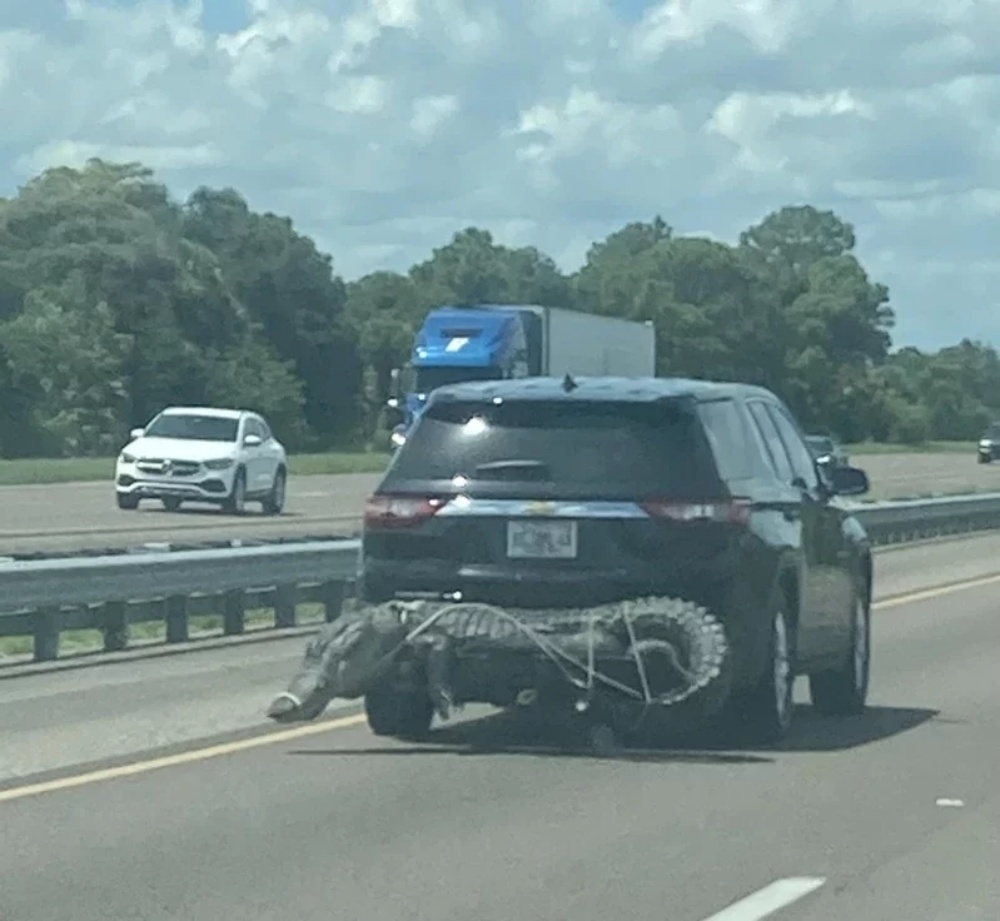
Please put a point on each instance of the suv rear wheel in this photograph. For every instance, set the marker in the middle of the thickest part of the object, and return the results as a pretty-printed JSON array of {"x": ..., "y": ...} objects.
[
  {"x": 399, "y": 712},
  {"x": 766, "y": 709},
  {"x": 844, "y": 692}
]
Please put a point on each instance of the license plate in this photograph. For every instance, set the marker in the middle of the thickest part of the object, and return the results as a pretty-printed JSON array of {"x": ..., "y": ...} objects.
[{"x": 541, "y": 540}]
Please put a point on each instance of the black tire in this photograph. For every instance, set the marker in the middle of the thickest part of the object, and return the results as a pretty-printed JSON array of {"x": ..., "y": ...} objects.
[
  {"x": 171, "y": 504},
  {"x": 765, "y": 711},
  {"x": 844, "y": 691},
  {"x": 274, "y": 502},
  {"x": 983, "y": 459},
  {"x": 235, "y": 503},
  {"x": 127, "y": 502},
  {"x": 399, "y": 713}
]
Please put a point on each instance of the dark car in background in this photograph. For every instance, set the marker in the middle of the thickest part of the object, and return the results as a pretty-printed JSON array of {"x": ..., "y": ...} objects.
[
  {"x": 562, "y": 493},
  {"x": 828, "y": 450},
  {"x": 989, "y": 444}
]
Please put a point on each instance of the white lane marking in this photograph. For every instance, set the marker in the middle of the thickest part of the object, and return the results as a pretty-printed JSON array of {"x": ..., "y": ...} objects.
[
  {"x": 950, "y": 803},
  {"x": 765, "y": 902}
]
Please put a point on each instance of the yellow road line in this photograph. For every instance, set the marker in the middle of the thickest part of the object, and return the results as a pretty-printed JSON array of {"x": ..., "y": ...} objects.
[
  {"x": 300, "y": 732},
  {"x": 188, "y": 757},
  {"x": 928, "y": 594}
]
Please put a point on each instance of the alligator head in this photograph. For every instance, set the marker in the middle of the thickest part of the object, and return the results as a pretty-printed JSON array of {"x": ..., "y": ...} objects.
[{"x": 342, "y": 660}]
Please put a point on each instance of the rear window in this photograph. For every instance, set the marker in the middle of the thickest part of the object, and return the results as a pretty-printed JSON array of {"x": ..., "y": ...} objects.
[
  {"x": 820, "y": 444},
  {"x": 599, "y": 449}
]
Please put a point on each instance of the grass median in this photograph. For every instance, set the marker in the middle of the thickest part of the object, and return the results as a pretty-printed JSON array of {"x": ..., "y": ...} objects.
[
  {"x": 29, "y": 471},
  {"x": 930, "y": 447}
]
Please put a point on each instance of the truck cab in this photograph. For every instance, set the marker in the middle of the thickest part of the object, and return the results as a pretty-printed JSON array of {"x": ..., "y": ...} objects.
[{"x": 458, "y": 344}]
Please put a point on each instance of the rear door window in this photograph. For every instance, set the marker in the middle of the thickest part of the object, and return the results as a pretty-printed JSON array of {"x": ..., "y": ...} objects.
[
  {"x": 799, "y": 455},
  {"x": 601, "y": 449},
  {"x": 727, "y": 434},
  {"x": 780, "y": 461}
]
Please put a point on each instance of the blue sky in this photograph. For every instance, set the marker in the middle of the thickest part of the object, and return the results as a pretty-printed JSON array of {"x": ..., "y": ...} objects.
[{"x": 383, "y": 126}]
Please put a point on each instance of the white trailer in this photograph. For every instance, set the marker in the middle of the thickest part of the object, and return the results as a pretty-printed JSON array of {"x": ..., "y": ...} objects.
[{"x": 588, "y": 344}]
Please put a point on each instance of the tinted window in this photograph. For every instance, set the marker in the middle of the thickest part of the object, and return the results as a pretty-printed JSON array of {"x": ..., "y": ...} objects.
[
  {"x": 599, "y": 449},
  {"x": 193, "y": 427},
  {"x": 427, "y": 379},
  {"x": 798, "y": 453},
  {"x": 819, "y": 445},
  {"x": 265, "y": 430},
  {"x": 775, "y": 447},
  {"x": 727, "y": 435}
]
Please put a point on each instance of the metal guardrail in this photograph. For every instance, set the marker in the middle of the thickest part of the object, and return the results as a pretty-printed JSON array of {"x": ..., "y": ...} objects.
[
  {"x": 47, "y": 597},
  {"x": 107, "y": 594},
  {"x": 900, "y": 522}
]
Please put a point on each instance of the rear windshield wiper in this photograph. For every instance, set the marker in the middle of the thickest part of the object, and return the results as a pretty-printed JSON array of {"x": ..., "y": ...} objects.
[{"x": 524, "y": 469}]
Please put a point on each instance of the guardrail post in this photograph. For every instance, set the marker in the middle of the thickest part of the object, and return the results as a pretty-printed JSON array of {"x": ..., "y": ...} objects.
[
  {"x": 114, "y": 626},
  {"x": 333, "y": 600},
  {"x": 177, "y": 619},
  {"x": 46, "y": 622},
  {"x": 285, "y": 598},
  {"x": 234, "y": 613}
]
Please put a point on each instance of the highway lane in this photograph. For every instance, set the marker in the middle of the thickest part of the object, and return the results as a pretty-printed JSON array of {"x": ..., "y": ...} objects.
[
  {"x": 84, "y": 515},
  {"x": 54, "y": 720},
  {"x": 492, "y": 823},
  {"x": 78, "y": 515}
]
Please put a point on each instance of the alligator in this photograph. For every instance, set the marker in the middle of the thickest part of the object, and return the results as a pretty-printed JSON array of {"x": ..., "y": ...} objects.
[{"x": 410, "y": 660}]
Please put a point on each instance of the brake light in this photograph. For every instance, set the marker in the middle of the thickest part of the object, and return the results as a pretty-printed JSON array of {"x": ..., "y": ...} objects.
[
  {"x": 400, "y": 511},
  {"x": 731, "y": 511}
]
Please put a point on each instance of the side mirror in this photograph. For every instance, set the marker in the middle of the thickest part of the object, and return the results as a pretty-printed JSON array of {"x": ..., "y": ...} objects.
[
  {"x": 849, "y": 481},
  {"x": 252, "y": 441},
  {"x": 136, "y": 433}
]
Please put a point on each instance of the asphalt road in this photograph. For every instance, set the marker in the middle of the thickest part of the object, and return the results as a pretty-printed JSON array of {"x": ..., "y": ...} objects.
[
  {"x": 893, "y": 815},
  {"x": 83, "y": 515}
]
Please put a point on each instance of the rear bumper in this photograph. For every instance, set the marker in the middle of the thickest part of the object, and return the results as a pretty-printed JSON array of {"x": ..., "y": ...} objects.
[{"x": 382, "y": 579}]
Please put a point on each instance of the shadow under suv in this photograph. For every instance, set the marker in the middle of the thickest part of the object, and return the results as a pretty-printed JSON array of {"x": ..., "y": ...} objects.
[{"x": 573, "y": 493}]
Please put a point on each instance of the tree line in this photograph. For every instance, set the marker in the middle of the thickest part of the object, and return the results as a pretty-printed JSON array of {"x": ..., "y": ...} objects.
[{"x": 116, "y": 300}]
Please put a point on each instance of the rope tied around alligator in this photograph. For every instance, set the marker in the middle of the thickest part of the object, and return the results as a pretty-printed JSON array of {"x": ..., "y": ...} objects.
[{"x": 673, "y": 649}]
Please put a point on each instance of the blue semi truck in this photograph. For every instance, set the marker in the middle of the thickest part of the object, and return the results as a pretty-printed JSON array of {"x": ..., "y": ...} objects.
[{"x": 500, "y": 341}]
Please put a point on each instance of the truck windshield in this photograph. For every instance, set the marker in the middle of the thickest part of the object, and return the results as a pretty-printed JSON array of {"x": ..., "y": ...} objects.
[{"x": 427, "y": 379}]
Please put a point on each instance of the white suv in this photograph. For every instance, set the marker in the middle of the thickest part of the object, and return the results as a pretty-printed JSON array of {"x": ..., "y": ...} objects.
[{"x": 198, "y": 454}]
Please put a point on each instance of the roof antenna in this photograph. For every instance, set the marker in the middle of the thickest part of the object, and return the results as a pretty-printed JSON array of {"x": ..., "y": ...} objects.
[{"x": 568, "y": 384}]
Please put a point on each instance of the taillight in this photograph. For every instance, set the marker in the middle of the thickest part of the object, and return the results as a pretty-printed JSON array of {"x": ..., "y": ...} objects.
[
  {"x": 730, "y": 511},
  {"x": 400, "y": 511}
]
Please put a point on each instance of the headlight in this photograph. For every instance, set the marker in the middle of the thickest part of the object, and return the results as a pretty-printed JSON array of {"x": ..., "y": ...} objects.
[
  {"x": 223, "y": 463},
  {"x": 127, "y": 458}
]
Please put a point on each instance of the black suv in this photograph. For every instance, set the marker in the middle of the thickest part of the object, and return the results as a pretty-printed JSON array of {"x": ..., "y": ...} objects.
[{"x": 566, "y": 493}]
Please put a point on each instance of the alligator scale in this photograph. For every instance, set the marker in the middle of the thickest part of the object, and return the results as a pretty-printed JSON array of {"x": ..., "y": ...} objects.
[{"x": 617, "y": 665}]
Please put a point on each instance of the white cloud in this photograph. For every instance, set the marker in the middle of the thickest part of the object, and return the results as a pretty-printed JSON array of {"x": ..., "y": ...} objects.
[{"x": 382, "y": 126}]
